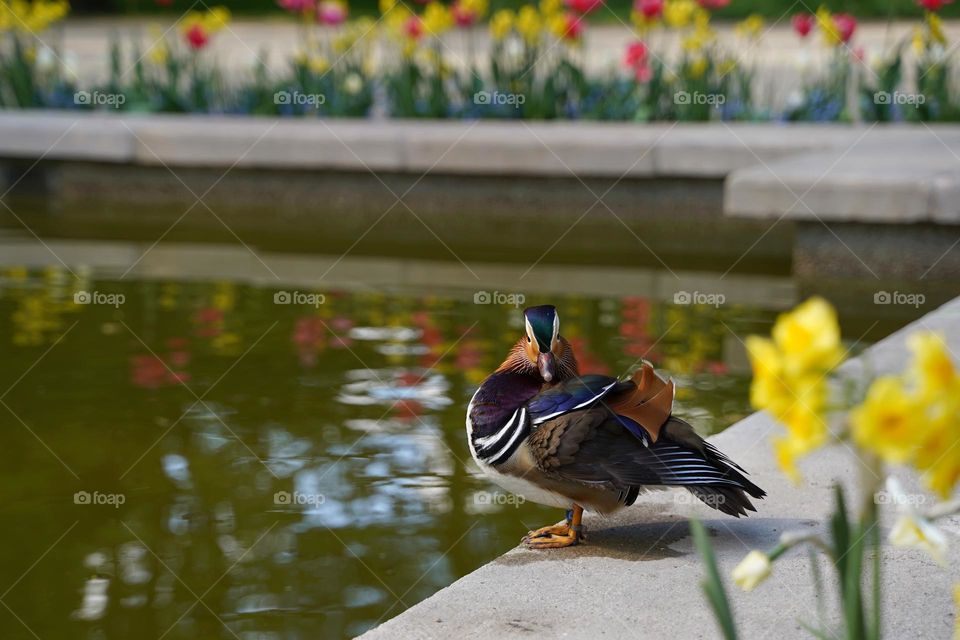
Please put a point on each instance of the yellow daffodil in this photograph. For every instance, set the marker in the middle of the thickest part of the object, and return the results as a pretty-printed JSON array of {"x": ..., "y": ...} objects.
[
  {"x": 789, "y": 377},
  {"x": 809, "y": 337},
  {"x": 932, "y": 367},
  {"x": 437, "y": 18},
  {"x": 387, "y": 5},
  {"x": 529, "y": 24},
  {"x": 912, "y": 529},
  {"x": 750, "y": 28},
  {"x": 940, "y": 459},
  {"x": 501, "y": 23},
  {"x": 890, "y": 422},
  {"x": 752, "y": 570},
  {"x": 956, "y": 617},
  {"x": 679, "y": 13},
  {"x": 786, "y": 453}
]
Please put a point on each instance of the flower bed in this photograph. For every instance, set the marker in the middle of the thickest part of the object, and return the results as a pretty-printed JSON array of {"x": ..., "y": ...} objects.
[{"x": 403, "y": 65}]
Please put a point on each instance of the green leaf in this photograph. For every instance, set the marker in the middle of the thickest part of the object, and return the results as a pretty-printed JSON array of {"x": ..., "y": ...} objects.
[{"x": 712, "y": 585}]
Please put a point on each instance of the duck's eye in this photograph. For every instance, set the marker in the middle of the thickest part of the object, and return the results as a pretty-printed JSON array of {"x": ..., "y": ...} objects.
[{"x": 528, "y": 339}]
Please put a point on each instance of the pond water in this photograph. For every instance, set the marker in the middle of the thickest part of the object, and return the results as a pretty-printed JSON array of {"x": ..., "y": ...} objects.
[{"x": 196, "y": 458}]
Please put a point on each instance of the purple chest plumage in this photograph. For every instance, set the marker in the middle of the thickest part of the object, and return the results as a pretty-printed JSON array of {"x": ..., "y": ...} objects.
[{"x": 497, "y": 400}]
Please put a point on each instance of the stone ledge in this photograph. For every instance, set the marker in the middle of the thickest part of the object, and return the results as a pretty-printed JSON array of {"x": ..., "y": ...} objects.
[
  {"x": 639, "y": 575},
  {"x": 887, "y": 176},
  {"x": 587, "y": 149}
]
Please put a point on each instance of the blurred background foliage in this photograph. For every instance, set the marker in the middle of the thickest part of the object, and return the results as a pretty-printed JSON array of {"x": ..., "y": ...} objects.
[{"x": 770, "y": 9}]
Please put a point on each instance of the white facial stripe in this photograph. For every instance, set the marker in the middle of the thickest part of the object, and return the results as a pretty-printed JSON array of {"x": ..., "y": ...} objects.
[
  {"x": 556, "y": 327},
  {"x": 530, "y": 336}
]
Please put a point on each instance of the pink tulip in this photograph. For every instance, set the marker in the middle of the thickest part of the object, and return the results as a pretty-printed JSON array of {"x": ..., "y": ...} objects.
[
  {"x": 331, "y": 13},
  {"x": 296, "y": 6},
  {"x": 933, "y": 5},
  {"x": 803, "y": 24},
  {"x": 573, "y": 26},
  {"x": 846, "y": 24}
]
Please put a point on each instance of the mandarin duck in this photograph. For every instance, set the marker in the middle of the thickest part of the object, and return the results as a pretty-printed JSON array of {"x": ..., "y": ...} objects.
[{"x": 543, "y": 431}]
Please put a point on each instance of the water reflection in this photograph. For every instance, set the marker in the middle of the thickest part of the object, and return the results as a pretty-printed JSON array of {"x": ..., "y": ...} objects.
[{"x": 286, "y": 471}]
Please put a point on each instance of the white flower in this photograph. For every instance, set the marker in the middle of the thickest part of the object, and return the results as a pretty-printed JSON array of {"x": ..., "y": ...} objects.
[
  {"x": 912, "y": 529},
  {"x": 752, "y": 570}
]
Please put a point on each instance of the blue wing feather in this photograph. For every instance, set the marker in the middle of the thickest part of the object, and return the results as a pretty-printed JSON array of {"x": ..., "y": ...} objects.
[{"x": 570, "y": 396}]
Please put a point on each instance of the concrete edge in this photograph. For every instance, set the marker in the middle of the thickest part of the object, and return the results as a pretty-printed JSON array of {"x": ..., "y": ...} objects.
[{"x": 586, "y": 149}]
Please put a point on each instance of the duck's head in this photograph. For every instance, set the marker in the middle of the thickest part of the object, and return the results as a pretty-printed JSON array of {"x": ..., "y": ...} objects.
[{"x": 542, "y": 351}]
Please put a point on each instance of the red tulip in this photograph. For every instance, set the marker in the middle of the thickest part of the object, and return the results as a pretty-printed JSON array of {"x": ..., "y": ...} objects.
[
  {"x": 296, "y": 6},
  {"x": 197, "y": 38},
  {"x": 803, "y": 24},
  {"x": 413, "y": 27},
  {"x": 846, "y": 24},
  {"x": 572, "y": 27},
  {"x": 649, "y": 8},
  {"x": 933, "y": 5},
  {"x": 637, "y": 59},
  {"x": 583, "y": 6},
  {"x": 463, "y": 16}
]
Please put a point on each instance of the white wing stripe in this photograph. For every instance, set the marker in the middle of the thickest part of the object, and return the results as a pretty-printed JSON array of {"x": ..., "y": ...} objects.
[{"x": 486, "y": 441}]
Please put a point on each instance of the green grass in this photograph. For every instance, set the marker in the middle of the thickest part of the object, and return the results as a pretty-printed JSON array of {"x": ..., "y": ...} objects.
[{"x": 771, "y": 9}]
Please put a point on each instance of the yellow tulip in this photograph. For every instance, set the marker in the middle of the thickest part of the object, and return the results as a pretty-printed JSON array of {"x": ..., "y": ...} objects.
[
  {"x": 529, "y": 24},
  {"x": 698, "y": 67},
  {"x": 751, "y": 28},
  {"x": 158, "y": 52},
  {"x": 679, "y": 13},
  {"x": 935, "y": 27},
  {"x": 501, "y": 23},
  {"x": 890, "y": 421},
  {"x": 437, "y": 18},
  {"x": 387, "y": 5},
  {"x": 551, "y": 7}
]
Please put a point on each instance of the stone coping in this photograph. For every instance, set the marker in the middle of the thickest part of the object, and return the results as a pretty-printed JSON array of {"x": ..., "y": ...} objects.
[
  {"x": 878, "y": 173},
  {"x": 638, "y": 575}
]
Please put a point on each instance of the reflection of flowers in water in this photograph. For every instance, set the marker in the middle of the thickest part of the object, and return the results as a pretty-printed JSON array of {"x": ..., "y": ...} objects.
[
  {"x": 311, "y": 335},
  {"x": 411, "y": 388},
  {"x": 41, "y": 303}
]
